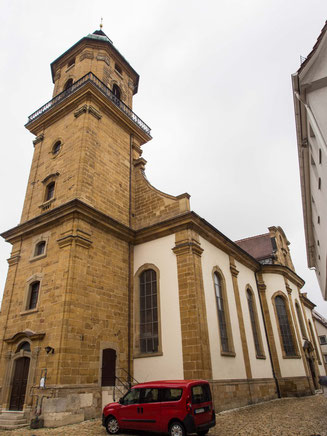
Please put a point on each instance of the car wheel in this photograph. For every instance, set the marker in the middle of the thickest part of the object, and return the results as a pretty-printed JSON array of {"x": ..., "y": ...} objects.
[
  {"x": 177, "y": 429},
  {"x": 112, "y": 425}
]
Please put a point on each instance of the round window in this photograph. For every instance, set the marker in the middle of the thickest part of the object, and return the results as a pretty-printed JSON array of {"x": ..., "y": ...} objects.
[{"x": 56, "y": 148}]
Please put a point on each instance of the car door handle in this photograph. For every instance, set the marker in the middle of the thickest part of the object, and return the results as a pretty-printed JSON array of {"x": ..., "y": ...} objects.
[{"x": 140, "y": 410}]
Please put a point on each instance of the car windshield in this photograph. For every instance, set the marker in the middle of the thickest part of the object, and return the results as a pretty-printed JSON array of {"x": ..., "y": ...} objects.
[{"x": 201, "y": 394}]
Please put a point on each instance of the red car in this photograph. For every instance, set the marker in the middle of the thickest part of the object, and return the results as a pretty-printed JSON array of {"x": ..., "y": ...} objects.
[{"x": 175, "y": 407}]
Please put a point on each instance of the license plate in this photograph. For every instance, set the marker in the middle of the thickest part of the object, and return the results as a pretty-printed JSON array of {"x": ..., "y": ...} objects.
[{"x": 199, "y": 410}]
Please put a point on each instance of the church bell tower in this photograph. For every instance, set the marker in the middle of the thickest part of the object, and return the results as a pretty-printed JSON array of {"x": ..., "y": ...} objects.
[{"x": 66, "y": 311}]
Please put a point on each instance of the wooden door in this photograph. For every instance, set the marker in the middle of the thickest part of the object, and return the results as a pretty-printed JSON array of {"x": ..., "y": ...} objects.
[
  {"x": 19, "y": 383},
  {"x": 108, "y": 367}
]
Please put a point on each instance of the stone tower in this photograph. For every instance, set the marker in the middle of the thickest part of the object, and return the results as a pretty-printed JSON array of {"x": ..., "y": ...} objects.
[{"x": 66, "y": 311}]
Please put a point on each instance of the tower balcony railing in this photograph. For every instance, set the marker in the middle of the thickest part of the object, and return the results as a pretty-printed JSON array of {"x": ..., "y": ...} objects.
[{"x": 90, "y": 77}]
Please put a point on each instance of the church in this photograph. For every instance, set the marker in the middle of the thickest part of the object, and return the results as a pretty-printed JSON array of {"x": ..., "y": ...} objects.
[{"x": 112, "y": 281}]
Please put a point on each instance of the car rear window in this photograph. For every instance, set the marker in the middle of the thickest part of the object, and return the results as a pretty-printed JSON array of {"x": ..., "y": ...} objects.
[
  {"x": 201, "y": 394},
  {"x": 171, "y": 394}
]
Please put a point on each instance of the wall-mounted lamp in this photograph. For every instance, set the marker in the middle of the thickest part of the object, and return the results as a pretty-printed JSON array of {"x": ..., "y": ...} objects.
[{"x": 49, "y": 350}]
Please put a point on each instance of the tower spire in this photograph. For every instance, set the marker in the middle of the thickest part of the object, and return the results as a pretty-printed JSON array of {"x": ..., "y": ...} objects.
[{"x": 101, "y": 23}]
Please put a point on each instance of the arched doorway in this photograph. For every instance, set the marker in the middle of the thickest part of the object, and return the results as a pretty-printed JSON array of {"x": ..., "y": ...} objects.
[
  {"x": 19, "y": 383},
  {"x": 108, "y": 374}
]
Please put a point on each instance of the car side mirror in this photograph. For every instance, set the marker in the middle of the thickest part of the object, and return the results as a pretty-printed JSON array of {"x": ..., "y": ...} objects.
[{"x": 121, "y": 400}]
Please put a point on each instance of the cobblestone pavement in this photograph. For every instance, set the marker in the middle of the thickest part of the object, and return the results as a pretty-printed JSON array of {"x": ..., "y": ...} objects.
[{"x": 306, "y": 416}]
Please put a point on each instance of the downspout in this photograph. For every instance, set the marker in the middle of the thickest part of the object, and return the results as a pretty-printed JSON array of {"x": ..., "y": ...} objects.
[
  {"x": 266, "y": 333},
  {"x": 130, "y": 264}
]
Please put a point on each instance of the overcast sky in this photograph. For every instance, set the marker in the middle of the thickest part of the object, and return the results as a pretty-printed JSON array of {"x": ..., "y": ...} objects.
[{"x": 215, "y": 88}]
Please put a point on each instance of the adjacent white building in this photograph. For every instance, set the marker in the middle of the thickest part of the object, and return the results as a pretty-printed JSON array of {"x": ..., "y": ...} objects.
[{"x": 310, "y": 95}]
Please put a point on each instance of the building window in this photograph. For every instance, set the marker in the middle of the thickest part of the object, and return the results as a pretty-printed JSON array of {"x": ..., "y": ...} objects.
[
  {"x": 320, "y": 155},
  {"x": 313, "y": 340},
  {"x": 323, "y": 340},
  {"x": 68, "y": 84},
  {"x": 226, "y": 342},
  {"x": 71, "y": 62},
  {"x": 149, "y": 337},
  {"x": 116, "y": 91},
  {"x": 56, "y": 148},
  {"x": 40, "y": 248},
  {"x": 284, "y": 327},
  {"x": 319, "y": 183},
  {"x": 300, "y": 319},
  {"x": 25, "y": 346},
  {"x": 49, "y": 191},
  {"x": 33, "y": 295},
  {"x": 325, "y": 358},
  {"x": 118, "y": 68},
  {"x": 254, "y": 323}
]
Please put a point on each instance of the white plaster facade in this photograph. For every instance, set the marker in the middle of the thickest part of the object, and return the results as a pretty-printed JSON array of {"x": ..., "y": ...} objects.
[
  {"x": 170, "y": 364},
  {"x": 310, "y": 94}
]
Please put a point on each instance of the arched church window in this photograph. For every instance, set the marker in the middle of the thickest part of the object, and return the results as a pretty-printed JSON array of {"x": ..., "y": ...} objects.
[
  {"x": 39, "y": 248},
  {"x": 33, "y": 295},
  {"x": 254, "y": 323},
  {"x": 24, "y": 346},
  {"x": 49, "y": 192},
  {"x": 68, "y": 84},
  {"x": 299, "y": 316},
  {"x": 223, "y": 315},
  {"x": 149, "y": 337},
  {"x": 284, "y": 326},
  {"x": 116, "y": 91}
]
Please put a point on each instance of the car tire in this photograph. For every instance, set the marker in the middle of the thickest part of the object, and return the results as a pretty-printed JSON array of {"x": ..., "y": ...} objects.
[
  {"x": 177, "y": 429},
  {"x": 112, "y": 425}
]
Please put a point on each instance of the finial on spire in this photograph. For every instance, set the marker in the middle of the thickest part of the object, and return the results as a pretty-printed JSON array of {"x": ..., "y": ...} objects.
[{"x": 101, "y": 24}]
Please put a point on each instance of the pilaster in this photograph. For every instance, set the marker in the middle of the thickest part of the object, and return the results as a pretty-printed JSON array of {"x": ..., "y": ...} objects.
[
  {"x": 270, "y": 334},
  {"x": 245, "y": 349},
  {"x": 194, "y": 326}
]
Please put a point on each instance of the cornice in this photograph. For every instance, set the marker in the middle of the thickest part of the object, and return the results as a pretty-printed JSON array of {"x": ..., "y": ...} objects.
[
  {"x": 190, "y": 220},
  {"x": 307, "y": 302},
  {"x": 285, "y": 272},
  {"x": 76, "y": 208},
  {"x": 26, "y": 334}
]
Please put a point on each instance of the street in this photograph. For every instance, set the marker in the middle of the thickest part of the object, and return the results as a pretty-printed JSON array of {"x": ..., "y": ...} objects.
[{"x": 305, "y": 416}]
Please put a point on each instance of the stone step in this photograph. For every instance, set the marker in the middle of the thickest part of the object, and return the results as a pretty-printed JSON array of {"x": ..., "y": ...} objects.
[
  {"x": 18, "y": 421},
  {"x": 11, "y": 414},
  {"x": 12, "y": 426}
]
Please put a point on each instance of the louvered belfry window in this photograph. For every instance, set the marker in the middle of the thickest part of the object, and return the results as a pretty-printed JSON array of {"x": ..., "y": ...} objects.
[
  {"x": 148, "y": 312},
  {"x": 221, "y": 313},
  {"x": 284, "y": 326}
]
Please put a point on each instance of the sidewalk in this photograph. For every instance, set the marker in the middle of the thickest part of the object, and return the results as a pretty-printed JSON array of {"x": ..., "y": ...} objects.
[{"x": 305, "y": 416}]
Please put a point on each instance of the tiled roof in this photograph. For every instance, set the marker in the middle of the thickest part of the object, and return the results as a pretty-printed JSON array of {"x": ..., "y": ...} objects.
[
  {"x": 323, "y": 30},
  {"x": 258, "y": 246}
]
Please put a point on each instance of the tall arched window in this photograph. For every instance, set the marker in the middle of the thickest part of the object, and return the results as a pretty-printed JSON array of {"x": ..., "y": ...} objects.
[
  {"x": 313, "y": 338},
  {"x": 149, "y": 341},
  {"x": 221, "y": 308},
  {"x": 49, "y": 192},
  {"x": 299, "y": 317},
  {"x": 68, "y": 84},
  {"x": 254, "y": 323},
  {"x": 116, "y": 91},
  {"x": 33, "y": 295},
  {"x": 284, "y": 326}
]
